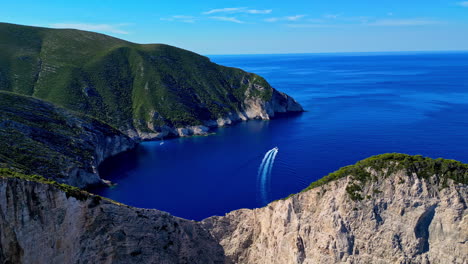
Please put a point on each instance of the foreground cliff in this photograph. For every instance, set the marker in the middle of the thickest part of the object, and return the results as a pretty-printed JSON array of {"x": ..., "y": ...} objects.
[
  {"x": 377, "y": 211},
  {"x": 44, "y": 222},
  {"x": 146, "y": 91},
  {"x": 388, "y": 209}
]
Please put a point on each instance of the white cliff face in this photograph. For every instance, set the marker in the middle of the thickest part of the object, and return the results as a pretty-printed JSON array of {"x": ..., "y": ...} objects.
[
  {"x": 41, "y": 224},
  {"x": 404, "y": 220},
  {"x": 282, "y": 103}
]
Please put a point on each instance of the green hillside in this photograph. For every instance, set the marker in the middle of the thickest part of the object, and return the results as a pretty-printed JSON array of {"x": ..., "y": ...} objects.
[
  {"x": 124, "y": 84},
  {"x": 38, "y": 138}
]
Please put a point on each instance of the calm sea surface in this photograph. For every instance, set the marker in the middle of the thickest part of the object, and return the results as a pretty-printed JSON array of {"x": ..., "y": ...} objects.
[{"x": 358, "y": 105}]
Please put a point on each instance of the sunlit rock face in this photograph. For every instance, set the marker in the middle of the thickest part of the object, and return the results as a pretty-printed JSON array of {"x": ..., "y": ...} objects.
[{"x": 402, "y": 219}]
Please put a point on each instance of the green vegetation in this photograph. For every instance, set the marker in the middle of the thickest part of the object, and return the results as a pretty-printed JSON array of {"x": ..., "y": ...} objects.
[
  {"x": 69, "y": 190},
  {"x": 354, "y": 191},
  {"x": 121, "y": 83},
  {"x": 39, "y": 138},
  {"x": 389, "y": 163}
]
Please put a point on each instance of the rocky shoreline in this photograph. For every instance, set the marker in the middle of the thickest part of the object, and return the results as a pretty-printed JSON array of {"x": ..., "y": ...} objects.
[{"x": 254, "y": 109}]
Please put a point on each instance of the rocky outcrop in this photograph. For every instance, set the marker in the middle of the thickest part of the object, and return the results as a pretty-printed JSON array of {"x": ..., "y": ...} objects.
[
  {"x": 282, "y": 103},
  {"x": 41, "y": 224},
  {"x": 253, "y": 107},
  {"x": 104, "y": 146},
  {"x": 401, "y": 217}
]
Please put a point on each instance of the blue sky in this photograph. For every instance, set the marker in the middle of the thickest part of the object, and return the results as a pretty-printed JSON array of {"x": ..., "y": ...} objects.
[{"x": 260, "y": 26}]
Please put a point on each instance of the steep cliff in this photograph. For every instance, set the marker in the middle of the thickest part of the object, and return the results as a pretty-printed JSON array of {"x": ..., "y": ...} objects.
[
  {"x": 384, "y": 213},
  {"x": 145, "y": 91},
  {"x": 50, "y": 223},
  {"x": 376, "y": 211},
  {"x": 37, "y": 137}
]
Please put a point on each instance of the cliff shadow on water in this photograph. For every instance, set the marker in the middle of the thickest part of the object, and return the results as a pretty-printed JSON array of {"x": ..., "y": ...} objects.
[{"x": 114, "y": 168}]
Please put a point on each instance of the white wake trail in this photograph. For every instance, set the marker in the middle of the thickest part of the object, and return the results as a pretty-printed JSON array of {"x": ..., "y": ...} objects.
[
  {"x": 262, "y": 165},
  {"x": 264, "y": 175},
  {"x": 261, "y": 170},
  {"x": 264, "y": 172},
  {"x": 270, "y": 168}
]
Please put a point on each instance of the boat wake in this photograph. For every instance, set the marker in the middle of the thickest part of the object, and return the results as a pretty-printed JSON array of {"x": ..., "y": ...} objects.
[{"x": 264, "y": 173}]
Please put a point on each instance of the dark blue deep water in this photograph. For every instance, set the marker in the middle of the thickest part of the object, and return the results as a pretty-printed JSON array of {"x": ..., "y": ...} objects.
[{"x": 358, "y": 105}]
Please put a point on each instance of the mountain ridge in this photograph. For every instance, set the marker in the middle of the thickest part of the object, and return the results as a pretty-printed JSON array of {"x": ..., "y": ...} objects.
[{"x": 147, "y": 91}]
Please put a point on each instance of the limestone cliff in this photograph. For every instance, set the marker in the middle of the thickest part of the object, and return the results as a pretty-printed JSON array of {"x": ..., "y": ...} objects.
[
  {"x": 40, "y": 223},
  {"x": 389, "y": 213},
  {"x": 405, "y": 219}
]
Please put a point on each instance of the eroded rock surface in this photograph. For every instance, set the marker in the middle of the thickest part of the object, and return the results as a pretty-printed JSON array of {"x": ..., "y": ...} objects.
[
  {"x": 403, "y": 219},
  {"x": 40, "y": 224}
]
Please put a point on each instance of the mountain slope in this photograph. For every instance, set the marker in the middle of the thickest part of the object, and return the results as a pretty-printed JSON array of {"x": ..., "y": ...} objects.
[
  {"x": 405, "y": 216},
  {"x": 143, "y": 90},
  {"x": 37, "y": 137}
]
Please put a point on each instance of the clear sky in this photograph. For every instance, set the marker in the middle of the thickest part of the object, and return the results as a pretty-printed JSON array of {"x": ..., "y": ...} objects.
[{"x": 260, "y": 26}]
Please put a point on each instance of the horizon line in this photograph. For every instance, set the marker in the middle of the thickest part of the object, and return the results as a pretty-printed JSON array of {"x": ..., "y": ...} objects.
[
  {"x": 340, "y": 52},
  {"x": 239, "y": 54}
]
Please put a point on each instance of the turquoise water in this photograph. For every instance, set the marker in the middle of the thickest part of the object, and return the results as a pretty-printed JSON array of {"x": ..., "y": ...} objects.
[{"x": 358, "y": 105}]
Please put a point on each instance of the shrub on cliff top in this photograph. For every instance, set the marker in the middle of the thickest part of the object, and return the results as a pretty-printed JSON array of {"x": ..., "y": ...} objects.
[
  {"x": 423, "y": 167},
  {"x": 70, "y": 191}
]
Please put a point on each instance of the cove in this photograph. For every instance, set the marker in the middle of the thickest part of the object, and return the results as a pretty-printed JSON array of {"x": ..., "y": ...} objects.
[{"x": 358, "y": 105}]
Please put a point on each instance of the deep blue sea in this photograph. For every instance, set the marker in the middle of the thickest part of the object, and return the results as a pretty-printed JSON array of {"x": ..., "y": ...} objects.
[{"x": 359, "y": 105}]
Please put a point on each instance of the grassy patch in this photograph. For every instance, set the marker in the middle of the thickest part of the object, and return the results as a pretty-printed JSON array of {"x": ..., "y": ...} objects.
[
  {"x": 70, "y": 191},
  {"x": 389, "y": 163}
]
